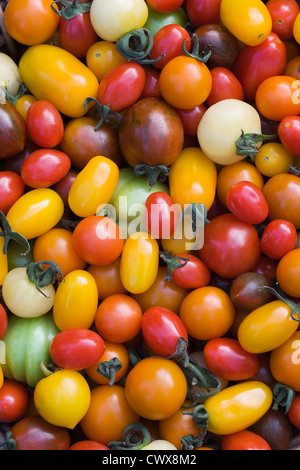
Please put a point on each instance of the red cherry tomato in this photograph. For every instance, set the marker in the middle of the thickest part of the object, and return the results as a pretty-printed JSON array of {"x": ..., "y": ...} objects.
[
  {"x": 247, "y": 202},
  {"x": 151, "y": 86},
  {"x": 244, "y": 440},
  {"x": 225, "y": 85},
  {"x": 78, "y": 27},
  {"x": 11, "y": 189},
  {"x": 266, "y": 266},
  {"x": 226, "y": 358},
  {"x": 283, "y": 14},
  {"x": 44, "y": 124},
  {"x": 190, "y": 118},
  {"x": 294, "y": 412},
  {"x": 161, "y": 329},
  {"x": 191, "y": 275},
  {"x": 13, "y": 401},
  {"x": 289, "y": 134},
  {"x": 122, "y": 86},
  {"x": 76, "y": 348},
  {"x": 203, "y": 11},
  {"x": 168, "y": 42},
  {"x": 278, "y": 238},
  {"x": 164, "y": 6},
  {"x": 161, "y": 215},
  {"x": 88, "y": 445},
  {"x": 3, "y": 321},
  {"x": 45, "y": 167}
]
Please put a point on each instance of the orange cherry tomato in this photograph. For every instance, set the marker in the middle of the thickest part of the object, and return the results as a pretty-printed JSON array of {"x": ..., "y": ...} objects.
[
  {"x": 288, "y": 273},
  {"x": 285, "y": 362},
  {"x": 108, "y": 279}
]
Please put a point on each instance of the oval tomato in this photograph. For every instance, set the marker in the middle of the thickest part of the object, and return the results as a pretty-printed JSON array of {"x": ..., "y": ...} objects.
[
  {"x": 247, "y": 202},
  {"x": 288, "y": 132},
  {"x": 72, "y": 28},
  {"x": 225, "y": 85},
  {"x": 283, "y": 16},
  {"x": 161, "y": 215},
  {"x": 167, "y": 42},
  {"x": 191, "y": 275},
  {"x": 45, "y": 167},
  {"x": 44, "y": 124},
  {"x": 11, "y": 189},
  {"x": 278, "y": 238}
]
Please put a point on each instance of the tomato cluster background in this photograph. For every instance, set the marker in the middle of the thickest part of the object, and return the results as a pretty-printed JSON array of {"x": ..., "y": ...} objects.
[{"x": 116, "y": 338}]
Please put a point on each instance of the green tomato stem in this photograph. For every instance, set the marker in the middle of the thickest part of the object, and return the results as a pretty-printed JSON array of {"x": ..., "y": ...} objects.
[
  {"x": 70, "y": 10},
  {"x": 278, "y": 292},
  {"x": 9, "y": 443},
  {"x": 109, "y": 368},
  {"x": 199, "y": 378},
  {"x": 105, "y": 112},
  {"x": 246, "y": 144},
  {"x": 153, "y": 173},
  {"x": 43, "y": 277},
  {"x": 9, "y": 235},
  {"x": 136, "y": 46},
  {"x": 202, "y": 56},
  {"x": 21, "y": 91},
  {"x": 283, "y": 396},
  {"x": 134, "y": 437},
  {"x": 172, "y": 262}
]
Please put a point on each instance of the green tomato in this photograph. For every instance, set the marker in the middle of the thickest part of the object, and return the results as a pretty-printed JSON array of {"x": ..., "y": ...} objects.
[
  {"x": 129, "y": 200},
  {"x": 27, "y": 342},
  {"x": 15, "y": 256},
  {"x": 157, "y": 20}
]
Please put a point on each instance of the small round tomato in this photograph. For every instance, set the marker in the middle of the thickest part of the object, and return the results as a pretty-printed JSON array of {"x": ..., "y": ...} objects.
[
  {"x": 161, "y": 215},
  {"x": 226, "y": 358},
  {"x": 294, "y": 412},
  {"x": 45, "y": 167},
  {"x": 247, "y": 202},
  {"x": 98, "y": 240},
  {"x": 178, "y": 426},
  {"x": 273, "y": 158},
  {"x": 190, "y": 118},
  {"x": 155, "y": 388},
  {"x": 288, "y": 132},
  {"x": 161, "y": 329},
  {"x": 112, "y": 352},
  {"x": 225, "y": 85},
  {"x": 244, "y": 440},
  {"x": 247, "y": 291},
  {"x": 288, "y": 272},
  {"x": 207, "y": 312},
  {"x": 103, "y": 56},
  {"x": 12, "y": 188},
  {"x": 201, "y": 12},
  {"x": 167, "y": 42},
  {"x": 44, "y": 124},
  {"x": 191, "y": 275},
  {"x": 13, "y": 401},
  {"x": 283, "y": 14},
  {"x": 71, "y": 29},
  {"x": 277, "y": 97},
  {"x": 285, "y": 362},
  {"x": 118, "y": 318},
  {"x": 185, "y": 82},
  {"x": 278, "y": 238},
  {"x": 108, "y": 279}
]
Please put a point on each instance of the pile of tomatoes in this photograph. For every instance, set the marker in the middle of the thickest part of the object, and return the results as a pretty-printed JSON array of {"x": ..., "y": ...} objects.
[{"x": 124, "y": 327}]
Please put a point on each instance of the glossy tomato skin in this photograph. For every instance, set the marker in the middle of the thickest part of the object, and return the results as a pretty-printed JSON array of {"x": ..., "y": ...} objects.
[
  {"x": 150, "y": 132},
  {"x": 13, "y": 400},
  {"x": 225, "y": 85},
  {"x": 13, "y": 131},
  {"x": 278, "y": 238},
  {"x": 283, "y": 16},
  {"x": 70, "y": 30},
  {"x": 193, "y": 274},
  {"x": 247, "y": 292},
  {"x": 76, "y": 348},
  {"x": 203, "y": 11},
  {"x": 256, "y": 63},
  {"x": 244, "y": 440},
  {"x": 45, "y": 167},
  {"x": 151, "y": 86},
  {"x": 34, "y": 433},
  {"x": 44, "y": 124},
  {"x": 11, "y": 189},
  {"x": 164, "y": 6},
  {"x": 294, "y": 412},
  {"x": 285, "y": 362},
  {"x": 161, "y": 329},
  {"x": 112, "y": 351},
  {"x": 3, "y": 321},
  {"x": 88, "y": 445},
  {"x": 288, "y": 273},
  {"x": 247, "y": 202},
  {"x": 108, "y": 279},
  {"x": 223, "y": 252},
  {"x": 288, "y": 132},
  {"x": 161, "y": 220},
  {"x": 190, "y": 118},
  {"x": 168, "y": 42},
  {"x": 226, "y": 358}
]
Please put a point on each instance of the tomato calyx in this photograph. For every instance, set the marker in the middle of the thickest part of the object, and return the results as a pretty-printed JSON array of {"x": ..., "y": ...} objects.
[
  {"x": 153, "y": 173},
  {"x": 9, "y": 235},
  {"x": 279, "y": 293},
  {"x": 172, "y": 262},
  {"x": 294, "y": 170},
  {"x": 8, "y": 442},
  {"x": 283, "y": 396},
  {"x": 200, "y": 418},
  {"x": 109, "y": 368},
  {"x": 197, "y": 212},
  {"x": 201, "y": 382},
  {"x": 21, "y": 91},
  {"x": 70, "y": 10},
  {"x": 42, "y": 277},
  {"x": 246, "y": 144},
  {"x": 134, "y": 437},
  {"x": 136, "y": 46},
  {"x": 202, "y": 56},
  {"x": 105, "y": 112}
]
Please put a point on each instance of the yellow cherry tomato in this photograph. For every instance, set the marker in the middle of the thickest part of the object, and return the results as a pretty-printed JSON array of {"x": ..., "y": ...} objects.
[
  {"x": 139, "y": 262},
  {"x": 267, "y": 327},
  {"x": 76, "y": 301},
  {"x": 1, "y": 377},
  {"x": 272, "y": 159},
  {"x": 3, "y": 261},
  {"x": 36, "y": 212},
  {"x": 24, "y": 103},
  {"x": 248, "y": 20},
  {"x": 296, "y": 29},
  {"x": 238, "y": 406},
  {"x": 102, "y": 57},
  {"x": 93, "y": 186},
  {"x": 54, "y": 74},
  {"x": 193, "y": 178},
  {"x": 62, "y": 398}
]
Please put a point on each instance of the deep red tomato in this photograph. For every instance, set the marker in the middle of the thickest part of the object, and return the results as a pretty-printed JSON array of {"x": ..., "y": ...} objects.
[
  {"x": 164, "y": 6},
  {"x": 3, "y": 321},
  {"x": 226, "y": 358},
  {"x": 34, "y": 433},
  {"x": 13, "y": 401},
  {"x": 88, "y": 445},
  {"x": 161, "y": 329},
  {"x": 161, "y": 215},
  {"x": 45, "y": 167},
  {"x": 121, "y": 87},
  {"x": 225, "y": 85},
  {"x": 278, "y": 238},
  {"x": 78, "y": 27},
  {"x": 62, "y": 187},
  {"x": 168, "y": 42},
  {"x": 151, "y": 86},
  {"x": 283, "y": 14},
  {"x": 191, "y": 275},
  {"x": 203, "y": 11},
  {"x": 244, "y": 440},
  {"x": 289, "y": 134},
  {"x": 247, "y": 202},
  {"x": 265, "y": 266},
  {"x": 190, "y": 118},
  {"x": 11, "y": 188},
  {"x": 76, "y": 348},
  {"x": 231, "y": 246},
  {"x": 44, "y": 124},
  {"x": 294, "y": 412},
  {"x": 256, "y": 63},
  {"x": 98, "y": 240}
]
